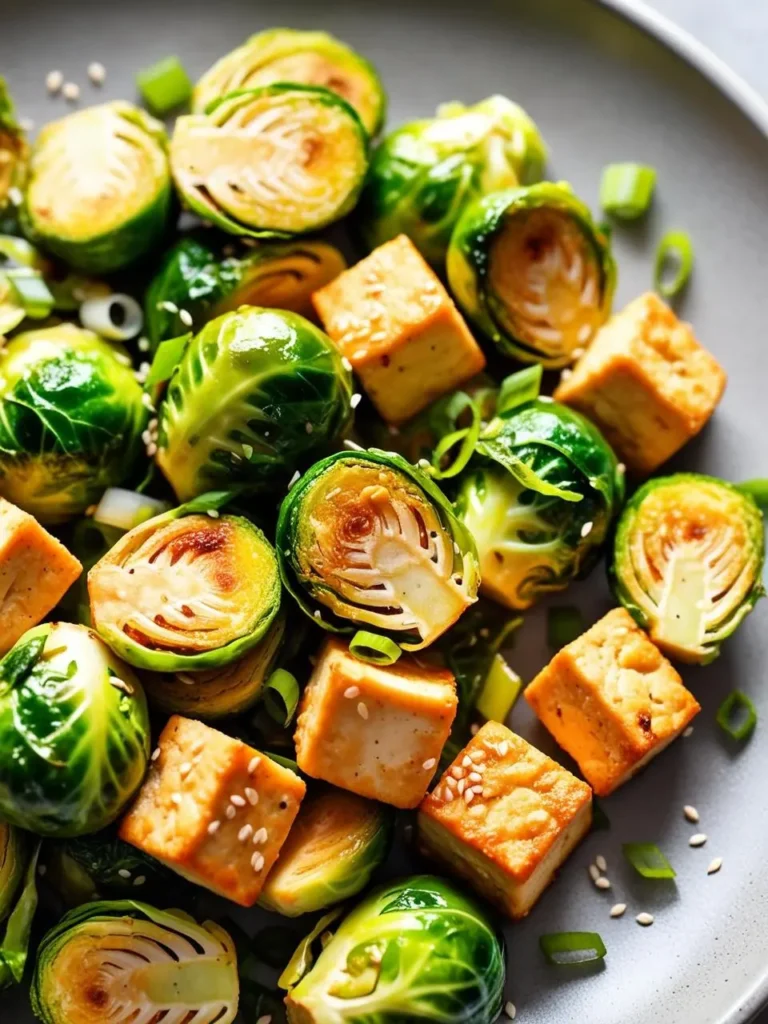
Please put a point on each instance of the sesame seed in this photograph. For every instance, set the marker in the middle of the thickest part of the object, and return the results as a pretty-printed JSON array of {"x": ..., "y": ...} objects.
[
  {"x": 316, "y": 614},
  {"x": 486, "y": 792},
  {"x": 586, "y": 529},
  {"x": 260, "y": 836},
  {"x": 457, "y": 772},
  {"x": 143, "y": 345},
  {"x": 140, "y": 880},
  {"x": 168, "y": 307},
  {"x": 475, "y": 777},
  {"x": 478, "y": 790},
  {"x": 715, "y": 865},
  {"x": 566, "y": 374},
  {"x": 601, "y": 862},
  {"x": 503, "y": 748},
  {"x": 186, "y": 317},
  {"x": 644, "y": 919},
  {"x": 41, "y": 869},
  {"x": 688, "y": 732},
  {"x": 213, "y": 828},
  {"x": 351, "y": 692},
  {"x": 213, "y": 513},
  {"x": 253, "y": 764},
  {"x": 697, "y": 840},
  {"x": 237, "y": 800},
  {"x": 355, "y": 400},
  {"x": 461, "y": 786},
  {"x": 70, "y": 91},
  {"x": 97, "y": 73},
  {"x": 155, "y": 754},
  {"x": 15, "y": 195},
  {"x": 362, "y": 710},
  {"x": 152, "y": 450},
  {"x": 346, "y": 364},
  {"x": 54, "y": 81},
  {"x": 469, "y": 795},
  {"x": 448, "y": 795},
  {"x": 602, "y": 883},
  {"x": 621, "y": 468},
  {"x": 257, "y": 861},
  {"x": 245, "y": 833},
  {"x": 618, "y": 909},
  {"x": 230, "y": 812},
  {"x": 594, "y": 872},
  {"x": 474, "y": 729},
  {"x": 176, "y": 798},
  {"x": 511, "y": 1010},
  {"x": 251, "y": 796},
  {"x": 429, "y": 764},
  {"x": 691, "y": 814},
  {"x": 308, "y": 427},
  {"x": 265, "y": 1019},
  {"x": 467, "y": 762},
  {"x": 185, "y": 769},
  {"x": 124, "y": 873}
]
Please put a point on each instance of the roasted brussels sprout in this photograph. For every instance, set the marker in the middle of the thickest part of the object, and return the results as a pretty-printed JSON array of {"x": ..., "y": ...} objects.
[
  {"x": 14, "y": 850},
  {"x": 127, "y": 962},
  {"x": 416, "y": 949},
  {"x": 273, "y": 162},
  {"x": 74, "y": 722},
  {"x": 365, "y": 539},
  {"x": 13, "y": 149},
  {"x": 533, "y": 272},
  {"x": 538, "y": 498},
  {"x": 206, "y": 283},
  {"x": 219, "y": 691},
  {"x": 423, "y": 174},
  {"x": 332, "y": 850},
  {"x": 99, "y": 189},
  {"x": 18, "y": 901},
  {"x": 308, "y": 58},
  {"x": 257, "y": 392},
  {"x": 688, "y": 562},
  {"x": 71, "y": 418},
  {"x": 186, "y": 591}
]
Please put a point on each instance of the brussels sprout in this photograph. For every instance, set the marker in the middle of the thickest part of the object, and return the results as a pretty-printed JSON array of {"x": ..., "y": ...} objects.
[
  {"x": 74, "y": 722},
  {"x": 18, "y": 902},
  {"x": 13, "y": 149},
  {"x": 539, "y": 499},
  {"x": 186, "y": 591},
  {"x": 127, "y": 962},
  {"x": 334, "y": 847},
  {"x": 220, "y": 691},
  {"x": 533, "y": 272},
  {"x": 197, "y": 278},
  {"x": 416, "y": 949},
  {"x": 257, "y": 392},
  {"x": 101, "y": 867},
  {"x": 273, "y": 162},
  {"x": 308, "y": 58},
  {"x": 71, "y": 418},
  {"x": 13, "y": 861},
  {"x": 99, "y": 190},
  {"x": 688, "y": 561},
  {"x": 423, "y": 174},
  {"x": 368, "y": 537}
]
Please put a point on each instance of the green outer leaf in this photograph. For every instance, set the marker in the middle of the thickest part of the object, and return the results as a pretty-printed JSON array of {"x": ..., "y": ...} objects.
[
  {"x": 14, "y": 857},
  {"x": 756, "y": 489},
  {"x": 725, "y": 716},
  {"x": 22, "y": 658},
  {"x": 167, "y": 358},
  {"x": 469, "y": 257},
  {"x": 648, "y": 860},
  {"x": 563, "y": 948},
  {"x": 290, "y": 512},
  {"x": 15, "y": 943},
  {"x": 303, "y": 957}
]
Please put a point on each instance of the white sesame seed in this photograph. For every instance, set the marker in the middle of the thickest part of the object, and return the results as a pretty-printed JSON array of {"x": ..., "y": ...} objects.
[
  {"x": 644, "y": 919},
  {"x": 41, "y": 869},
  {"x": 467, "y": 762},
  {"x": 351, "y": 692},
  {"x": 143, "y": 345},
  {"x": 230, "y": 812},
  {"x": 511, "y": 1010},
  {"x": 448, "y": 795},
  {"x": 213, "y": 828},
  {"x": 474, "y": 729},
  {"x": 257, "y": 861},
  {"x": 503, "y": 748},
  {"x": 139, "y": 880},
  {"x": 450, "y": 782},
  {"x": 355, "y": 400},
  {"x": 186, "y": 317},
  {"x": 475, "y": 777},
  {"x": 265, "y": 1019},
  {"x": 155, "y": 754},
  {"x": 457, "y": 772},
  {"x": 245, "y": 833},
  {"x": 688, "y": 732},
  {"x": 691, "y": 814},
  {"x": 253, "y": 764},
  {"x": 362, "y": 710},
  {"x": 353, "y": 446},
  {"x": 594, "y": 872},
  {"x": 213, "y": 513},
  {"x": 478, "y": 790},
  {"x": 346, "y": 364},
  {"x": 566, "y": 374},
  {"x": 618, "y": 909},
  {"x": 316, "y": 614},
  {"x": 469, "y": 795},
  {"x": 237, "y": 800},
  {"x": 185, "y": 769},
  {"x": 621, "y": 468},
  {"x": 168, "y": 307},
  {"x": 586, "y": 529},
  {"x": 461, "y": 786},
  {"x": 715, "y": 865},
  {"x": 176, "y": 799},
  {"x": 54, "y": 81},
  {"x": 478, "y": 755},
  {"x": 602, "y": 883},
  {"x": 601, "y": 862},
  {"x": 429, "y": 764},
  {"x": 698, "y": 840},
  {"x": 308, "y": 427},
  {"x": 15, "y": 195},
  {"x": 251, "y": 796},
  {"x": 70, "y": 91},
  {"x": 124, "y": 873},
  {"x": 152, "y": 450}
]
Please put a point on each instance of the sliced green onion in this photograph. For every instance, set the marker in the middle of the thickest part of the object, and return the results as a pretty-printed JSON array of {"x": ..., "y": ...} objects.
[
  {"x": 211, "y": 501},
  {"x": 626, "y": 190},
  {"x": 737, "y": 716},
  {"x": 466, "y": 438},
  {"x": 572, "y": 947},
  {"x": 286, "y": 762},
  {"x": 115, "y": 317},
  {"x": 564, "y": 625},
  {"x": 165, "y": 86},
  {"x": 757, "y": 489},
  {"x": 126, "y": 509},
  {"x": 20, "y": 252},
  {"x": 648, "y": 860},
  {"x": 500, "y": 691},
  {"x": 375, "y": 649},
  {"x": 600, "y": 820},
  {"x": 674, "y": 255},
  {"x": 31, "y": 292},
  {"x": 167, "y": 358},
  {"x": 518, "y": 388},
  {"x": 281, "y": 696}
]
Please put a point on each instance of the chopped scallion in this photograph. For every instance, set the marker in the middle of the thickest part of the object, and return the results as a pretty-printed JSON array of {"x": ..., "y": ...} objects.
[
  {"x": 565, "y": 624},
  {"x": 31, "y": 292},
  {"x": 674, "y": 263},
  {"x": 286, "y": 762},
  {"x": 518, "y": 388},
  {"x": 737, "y": 716},
  {"x": 626, "y": 190},
  {"x": 757, "y": 489},
  {"x": 281, "y": 696},
  {"x": 465, "y": 438},
  {"x": 648, "y": 860},
  {"x": 167, "y": 358},
  {"x": 572, "y": 947},
  {"x": 500, "y": 691},
  {"x": 375, "y": 649},
  {"x": 165, "y": 86}
]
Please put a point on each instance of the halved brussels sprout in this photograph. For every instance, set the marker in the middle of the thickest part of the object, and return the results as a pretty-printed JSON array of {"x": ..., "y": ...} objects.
[
  {"x": 206, "y": 283},
  {"x": 335, "y": 845},
  {"x": 688, "y": 562},
  {"x": 128, "y": 963},
  {"x": 71, "y": 418},
  {"x": 539, "y": 499},
  {"x": 423, "y": 174},
  {"x": 18, "y": 901},
  {"x": 219, "y": 691},
  {"x": 257, "y": 392},
  {"x": 273, "y": 162},
  {"x": 99, "y": 190},
  {"x": 533, "y": 272},
  {"x": 76, "y": 721},
  {"x": 308, "y": 58},
  {"x": 14, "y": 854},
  {"x": 13, "y": 149},
  {"x": 186, "y": 591},
  {"x": 416, "y": 949},
  {"x": 365, "y": 539}
]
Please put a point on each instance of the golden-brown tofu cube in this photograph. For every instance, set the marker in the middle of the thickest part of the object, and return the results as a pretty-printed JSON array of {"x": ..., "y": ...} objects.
[
  {"x": 375, "y": 730},
  {"x": 392, "y": 318},
  {"x": 36, "y": 571},
  {"x": 646, "y": 382},
  {"x": 505, "y": 817},
  {"x": 612, "y": 701},
  {"x": 214, "y": 810}
]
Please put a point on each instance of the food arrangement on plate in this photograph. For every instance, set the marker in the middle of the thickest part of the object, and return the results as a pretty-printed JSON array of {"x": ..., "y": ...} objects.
[{"x": 254, "y": 620}]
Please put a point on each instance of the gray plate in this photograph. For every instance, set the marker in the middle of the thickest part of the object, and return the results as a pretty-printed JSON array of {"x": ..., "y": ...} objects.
[{"x": 601, "y": 89}]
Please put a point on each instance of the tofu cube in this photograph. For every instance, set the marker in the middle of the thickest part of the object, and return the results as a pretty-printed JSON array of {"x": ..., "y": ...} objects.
[
  {"x": 375, "y": 730},
  {"x": 505, "y": 817},
  {"x": 36, "y": 571},
  {"x": 392, "y": 318},
  {"x": 646, "y": 382},
  {"x": 612, "y": 701},
  {"x": 214, "y": 810}
]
